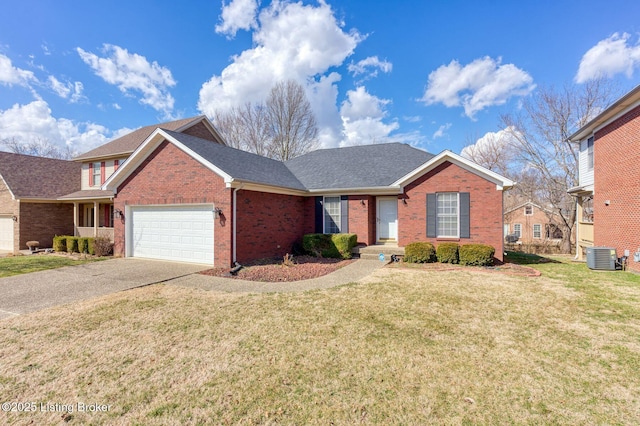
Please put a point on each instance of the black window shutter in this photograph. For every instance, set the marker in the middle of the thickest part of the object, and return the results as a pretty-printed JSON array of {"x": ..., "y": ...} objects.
[
  {"x": 319, "y": 215},
  {"x": 465, "y": 226},
  {"x": 431, "y": 215},
  {"x": 344, "y": 214}
]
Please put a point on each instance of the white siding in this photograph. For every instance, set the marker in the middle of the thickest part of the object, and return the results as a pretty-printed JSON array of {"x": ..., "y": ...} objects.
[{"x": 586, "y": 175}]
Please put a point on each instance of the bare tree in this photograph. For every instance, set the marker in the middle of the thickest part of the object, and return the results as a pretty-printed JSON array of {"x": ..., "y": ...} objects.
[
  {"x": 245, "y": 128},
  {"x": 540, "y": 131},
  {"x": 494, "y": 151},
  {"x": 38, "y": 147},
  {"x": 292, "y": 124}
]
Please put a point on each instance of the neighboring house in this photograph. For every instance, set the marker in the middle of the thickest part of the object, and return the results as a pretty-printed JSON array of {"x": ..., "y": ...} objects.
[
  {"x": 92, "y": 206},
  {"x": 180, "y": 197},
  {"x": 608, "y": 194},
  {"x": 30, "y": 209},
  {"x": 532, "y": 224}
]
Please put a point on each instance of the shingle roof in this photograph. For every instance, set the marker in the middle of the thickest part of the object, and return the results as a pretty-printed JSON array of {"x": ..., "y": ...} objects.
[
  {"x": 87, "y": 193},
  {"x": 129, "y": 142},
  {"x": 363, "y": 166},
  {"x": 239, "y": 164},
  {"x": 38, "y": 177}
]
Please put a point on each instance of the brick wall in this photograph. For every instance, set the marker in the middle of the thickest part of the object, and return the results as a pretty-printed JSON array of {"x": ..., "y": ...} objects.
[
  {"x": 617, "y": 177},
  {"x": 485, "y": 207},
  {"x": 9, "y": 207},
  {"x": 42, "y": 221},
  {"x": 268, "y": 224},
  {"x": 169, "y": 176},
  {"x": 200, "y": 130},
  {"x": 538, "y": 216},
  {"x": 362, "y": 218}
]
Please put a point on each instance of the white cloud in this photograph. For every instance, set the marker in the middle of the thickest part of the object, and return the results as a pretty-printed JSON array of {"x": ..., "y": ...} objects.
[
  {"x": 10, "y": 75},
  {"x": 34, "y": 121},
  {"x": 291, "y": 41},
  {"x": 491, "y": 143},
  {"x": 362, "y": 118},
  {"x": 133, "y": 72},
  {"x": 482, "y": 83},
  {"x": 611, "y": 56},
  {"x": 442, "y": 131},
  {"x": 372, "y": 62},
  {"x": 237, "y": 15},
  {"x": 67, "y": 90}
]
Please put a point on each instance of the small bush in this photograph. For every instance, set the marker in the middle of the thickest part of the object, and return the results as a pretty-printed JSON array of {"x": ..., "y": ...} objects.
[
  {"x": 329, "y": 245},
  {"x": 476, "y": 255},
  {"x": 419, "y": 252},
  {"x": 447, "y": 253},
  {"x": 60, "y": 243},
  {"x": 72, "y": 244},
  {"x": 83, "y": 245},
  {"x": 102, "y": 246},
  {"x": 91, "y": 243}
]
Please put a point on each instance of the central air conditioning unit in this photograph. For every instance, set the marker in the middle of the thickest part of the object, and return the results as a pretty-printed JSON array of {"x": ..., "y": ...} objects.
[{"x": 602, "y": 258}]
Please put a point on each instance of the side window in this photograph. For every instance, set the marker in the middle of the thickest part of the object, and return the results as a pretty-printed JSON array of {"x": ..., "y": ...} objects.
[
  {"x": 332, "y": 217},
  {"x": 517, "y": 229},
  {"x": 590, "y": 153}
]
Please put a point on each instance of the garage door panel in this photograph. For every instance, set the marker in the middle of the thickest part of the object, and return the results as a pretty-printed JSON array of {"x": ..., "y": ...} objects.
[
  {"x": 181, "y": 233},
  {"x": 6, "y": 233}
]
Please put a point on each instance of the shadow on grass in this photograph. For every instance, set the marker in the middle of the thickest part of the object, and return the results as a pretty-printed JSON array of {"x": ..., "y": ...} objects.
[{"x": 520, "y": 258}]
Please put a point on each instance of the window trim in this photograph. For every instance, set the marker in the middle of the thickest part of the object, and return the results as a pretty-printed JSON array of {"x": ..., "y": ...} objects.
[
  {"x": 530, "y": 209},
  {"x": 517, "y": 229},
  {"x": 457, "y": 215},
  {"x": 96, "y": 173},
  {"x": 324, "y": 214},
  {"x": 539, "y": 225},
  {"x": 590, "y": 153}
]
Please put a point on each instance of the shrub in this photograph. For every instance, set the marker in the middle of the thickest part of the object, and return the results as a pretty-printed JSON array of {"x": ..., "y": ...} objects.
[
  {"x": 447, "y": 253},
  {"x": 329, "y": 245},
  {"x": 60, "y": 243},
  {"x": 476, "y": 254},
  {"x": 419, "y": 252},
  {"x": 72, "y": 244},
  {"x": 91, "y": 243},
  {"x": 83, "y": 245},
  {"x": 102, "y": 246}
]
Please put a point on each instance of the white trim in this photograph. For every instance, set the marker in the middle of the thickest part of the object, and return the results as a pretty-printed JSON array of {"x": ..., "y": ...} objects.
[
  {"x": 457, "y": 194},
  {"x": 375, "y": 190},
  {"x": 446, "y": 155},
  {"x": 250, "y": 186},
  {"x": 13, "y": 197},
  {"x": 533, "y": 231},
  {"x": 379, "y": 221},
  {"x": 324, "y": 211},
  {"x": 145, "y": 149}
]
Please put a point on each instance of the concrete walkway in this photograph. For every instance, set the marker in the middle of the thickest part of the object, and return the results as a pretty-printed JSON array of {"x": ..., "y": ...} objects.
[
  {"x": 348, "y": 274},
  {"x": 39, "y": 290}
]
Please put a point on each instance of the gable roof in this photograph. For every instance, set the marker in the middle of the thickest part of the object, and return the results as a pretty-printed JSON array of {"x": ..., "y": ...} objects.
[
  {"x": 620, "y": 106},
  {"x": 38, "y": 177},
  {"x": 530, "y": 203},
  {"x": 382, "y": 168},
  {"x": 230, "y": 163},
  {"x": 363, "y": 166},
  {"x": 128, "y": 143}
]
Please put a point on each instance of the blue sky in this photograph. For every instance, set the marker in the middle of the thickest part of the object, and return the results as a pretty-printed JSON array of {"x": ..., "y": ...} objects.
[{"x": 435, "y": 74}]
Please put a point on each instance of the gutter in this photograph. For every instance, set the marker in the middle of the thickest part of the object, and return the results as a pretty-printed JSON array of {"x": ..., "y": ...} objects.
[{"x": 235, "y": 211}]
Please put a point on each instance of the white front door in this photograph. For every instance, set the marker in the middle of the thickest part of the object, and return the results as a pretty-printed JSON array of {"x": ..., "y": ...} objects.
[
  {"x": 6, "y": 233},
  {"x": 387, "y": 219}
]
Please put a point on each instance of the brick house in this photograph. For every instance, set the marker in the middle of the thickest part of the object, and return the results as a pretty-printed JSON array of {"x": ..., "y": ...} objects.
[
  {"x": 181, "y": 197},
  {"x": 30, "y": 209},
  {"x": 532, "y": 224},
  {"x": 608, "y": 195}
]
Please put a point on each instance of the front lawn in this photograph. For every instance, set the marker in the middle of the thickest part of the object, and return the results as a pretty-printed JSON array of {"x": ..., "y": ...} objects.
[
  {"x": 17, "y": 265},
  {"x": 402, "y": 347}
]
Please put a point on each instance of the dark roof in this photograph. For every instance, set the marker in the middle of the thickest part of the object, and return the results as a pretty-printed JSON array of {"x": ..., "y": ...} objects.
[
  {"x": 129, "y": 142},
  {"x": 239, "y": 164},
  {"x": 363, "y": 166},
  {"x": 38, "y": 177}
]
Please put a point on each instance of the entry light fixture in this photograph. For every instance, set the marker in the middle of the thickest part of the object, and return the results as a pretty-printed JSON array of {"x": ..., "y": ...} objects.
[
  {"x": 117, "y": 213},
  {"x": 217, "y": 212},
  {"x": 15, "y": 218}
]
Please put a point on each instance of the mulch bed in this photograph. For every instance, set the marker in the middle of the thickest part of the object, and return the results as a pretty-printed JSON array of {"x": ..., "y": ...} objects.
[
  {"x": 505, "y": 268},
  {"x": 272, "y": 270}
]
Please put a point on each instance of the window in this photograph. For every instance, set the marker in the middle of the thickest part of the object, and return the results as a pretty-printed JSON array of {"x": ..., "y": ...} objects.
[
  {"x": 537, "y": 230},
  {"x": 447, "y": 223},
  {"x": 517, "y": 229},
  {"x": 95, "y": 177},
  {"x": 528, "y": 210},
  {"x": 590, "y": 153},
  {"x": 332, "y": 215},
  {"x": 587, "y": 209}
]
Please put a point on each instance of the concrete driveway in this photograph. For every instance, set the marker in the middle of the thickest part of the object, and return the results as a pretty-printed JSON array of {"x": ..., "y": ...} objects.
[{"x": 39, "y": 290}]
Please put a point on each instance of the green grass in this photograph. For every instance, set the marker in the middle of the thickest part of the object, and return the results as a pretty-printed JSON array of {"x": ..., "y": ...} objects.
[
  {"x": 25, "y": 264},
  {"x": 405, "y": 346}
]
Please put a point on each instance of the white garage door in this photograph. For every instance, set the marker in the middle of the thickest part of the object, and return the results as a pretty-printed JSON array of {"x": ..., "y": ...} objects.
[
  {"x": 180, "y": 233},
  {"x": 6, "y": 233}
]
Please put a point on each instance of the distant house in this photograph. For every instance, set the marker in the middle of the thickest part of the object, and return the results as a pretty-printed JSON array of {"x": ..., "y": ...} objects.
[
  {"x": 532, "y": 224},
  {"x": 608, "y": 194}
]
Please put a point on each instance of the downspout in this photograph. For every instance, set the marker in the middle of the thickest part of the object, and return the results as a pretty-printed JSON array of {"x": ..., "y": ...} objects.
[{"x": 235, "y": 212}]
